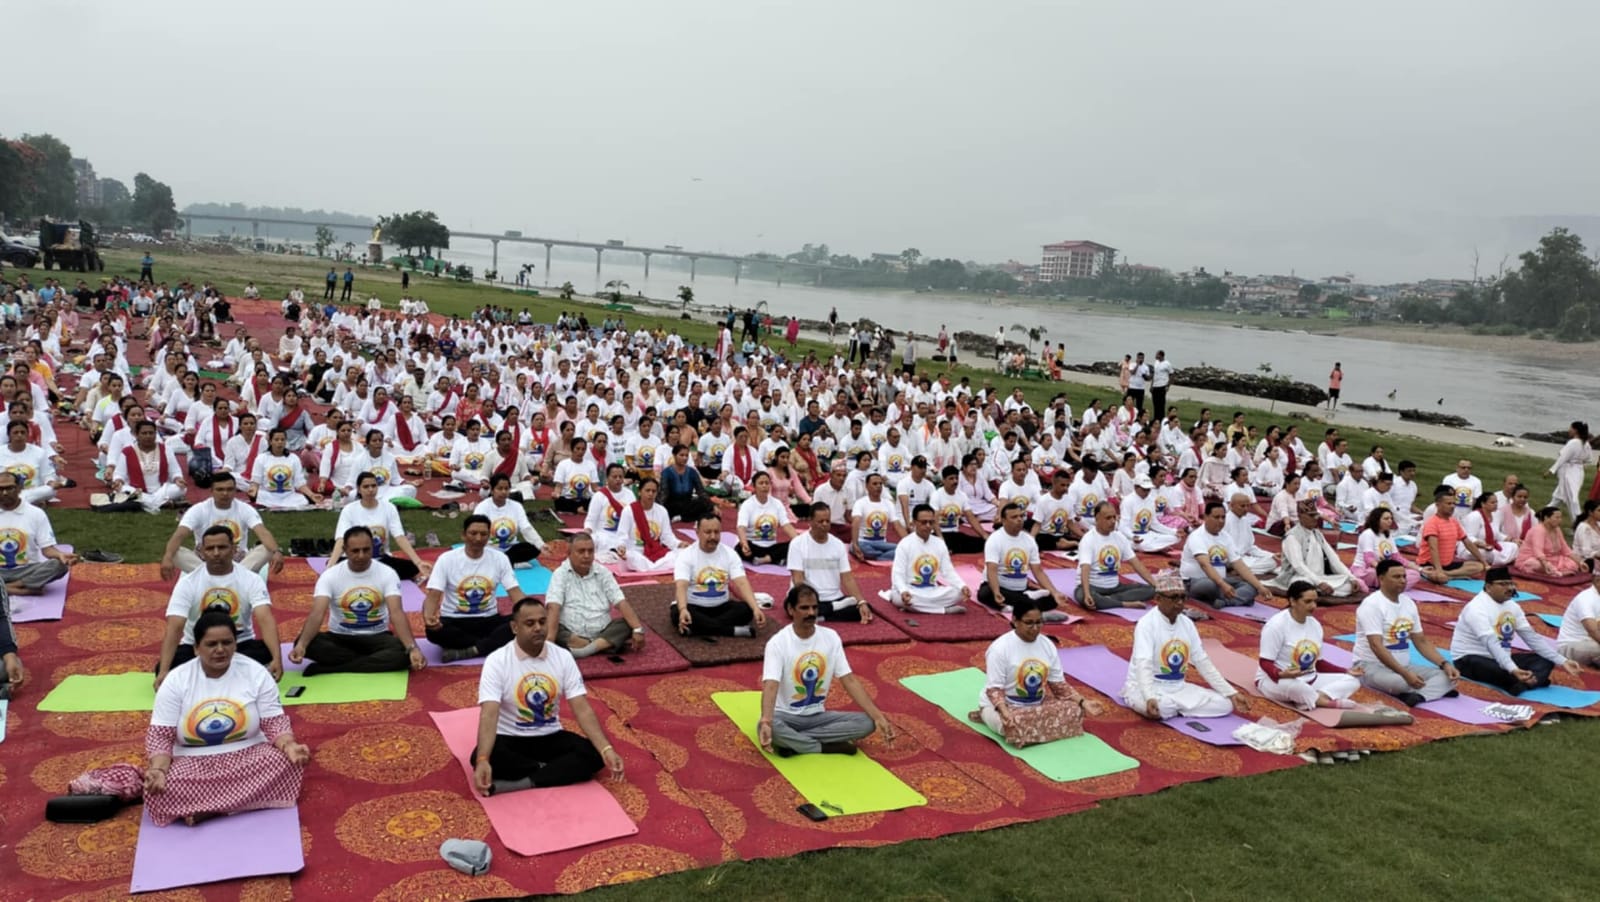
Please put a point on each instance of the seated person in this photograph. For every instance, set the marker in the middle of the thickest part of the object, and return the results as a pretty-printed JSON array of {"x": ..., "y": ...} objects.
[
  {"x": 223, "y": 508},
  {"x": 1441, "y": 539},
  {"x": 1211, "y": 570},
  {"x": 279, "y": 478},
  {"x": 148, "y": 470},
  {"x": 1010, "y": 558},
  {"x": 802, "y": 660},
  {"x": 1101, "y": 554},
  {"x": 607, "y": 509},
  {"x": 29, "y": 556},
  {"x": 763, "y": 524},
  {"x": 239, "y": 453},
  {"x": 575, "y": 480},
  {"x": 508, "y": 460},
  {"x": 219, "y": 742},
  {"x": 1545, "y": 552},
  {"x": 651, "y": 544},
  {"x": 1139, "y": 518},
  {"x": 1307, "y": 556},
  {"x": 1165, "y": 645},
  {"x": 360, "y": 599},
  {"x": 1238, "y": 526},
  {"x": 521, "y": 743},
  {"x": 1579, "y": 638},
  {"x": 1481, "y": 643},
  {"x": 707, "y": 577},
  {"x": 1051, "y": 520},
  {"x": 1387, "y": 625},
  {"x": 683, "y": 492},
  {"x": 13, "y": 674},
  {"x": 875, "y": 523},
  {"x": 1377, "y": 543},
  {"x": 1291, "y": 670},
  {"x": 374, "y": 458},
  {"x": 467, "y": 578},
  {"x": 220, "y": 585},
  {"x": 382, "y": 519},
  {"x": 924, "y": 579},
  {"x": 1498, "y": 549},
  {"x": 952, "y": 508},
  {"x": 510, "y": 530},
  {"x": 31, "y": 463},
  {"x": 579, "y": 602},
  {"x": 468, "y": 459},
  {"x": 1026, "y": 696},
  {"x": 818, "y": 559}
]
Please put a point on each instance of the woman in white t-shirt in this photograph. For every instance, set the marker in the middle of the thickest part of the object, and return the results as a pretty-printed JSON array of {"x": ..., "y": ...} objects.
[
  {"x": 219, "y": 742},
  {"x": 1026, "y": 699},
  {"x": 1377, "y": 544},
  {"x": 764, "y": 526},
  {"x": 575, "y": 479},
  {"x": 388, "y": 535},
  {"x": 1290, "y": 668}
]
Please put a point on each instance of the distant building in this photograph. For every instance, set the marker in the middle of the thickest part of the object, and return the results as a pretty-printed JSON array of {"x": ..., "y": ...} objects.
[
  {"x": 1075, "y": 260},
  {"x": 88, "y": 186}
]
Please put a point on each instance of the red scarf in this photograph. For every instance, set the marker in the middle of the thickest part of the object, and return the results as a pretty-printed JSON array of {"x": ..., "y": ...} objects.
[
  {"x": 290, "y": 415},
  {"x": 218, "y": 440},
  {"x": 599, "y": 455},
  {"x": 333, "y": 457},
  {"x": 541, "y": 441},
  {"x": 250, "y": 459},
  {"x": 507, "y": 464},
  {"x": 130, "y": 458},
  {"x": 615, "y": 504},
  {"x": 402, "y": 430},
  {"x": 744, "y": 465},
  {"x": 35, "y": 436},
  {"x": 449, "y": 397},
  {"x": 1288, "y": 459},
  {"x": 1488, "y": 531},
  {"x": 813, "y": 468},
  {"x": 653, "y": 547}
]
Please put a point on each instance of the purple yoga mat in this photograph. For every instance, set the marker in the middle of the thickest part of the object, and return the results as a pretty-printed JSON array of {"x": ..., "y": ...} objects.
[
  {"x": 411, "y": 594},
  {"x": 767, "y": 569},
  {"x": 1132, "y": 615},
  {"x": 176, "y": 855},
  {"x": 1337, "y": 656},
  {"x": 1425, "y": 595},
  {"x": 1105, "y": 671},
  {"x": 49, "y": 604},
  {"x": 1256, "y": 611},
  {"x": 1065, "y": 581},
  {"x": 1462, "y": 709},
  {"x": 430, "y": 653}
]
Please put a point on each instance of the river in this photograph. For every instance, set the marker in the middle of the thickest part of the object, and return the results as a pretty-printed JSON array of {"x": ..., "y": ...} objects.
[{"x": 1497, "y": 392}]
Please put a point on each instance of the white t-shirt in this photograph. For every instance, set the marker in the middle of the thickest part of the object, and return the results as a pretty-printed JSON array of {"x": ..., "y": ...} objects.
[
  {"x": 1583, "y": 606},
  {"x": 239, "y": 592},
  {"x": 1467, "y": 491},
  {"x": 24, "y": 534},
  {"x": 1083, "y": 497},
  {"x": 820, "y": 564},
  {"x": 1012, "y": 557},
  {"x": 529, "y": 689},
  {"x": 763, "y": 523},
  {"x": 507, "y": 523},
  {"x": 604, "y": 520},
  {"x": 876, "y": 517},
  {"x": 1218, "y": 549},
  {"x": 914, "y": 491},
  {"x": 216, "y": 716},
  {"x": 1021, "y": 669},
  {"x": 1052, "y": 514},
  {"x": 709, "y": 575},
  {"x": 804, "y": 669},
  {"x": 1167, "y": 647},
  {"x": 1289, "y": 644},
  {"x": 949, "y": 508},
  {"x": 1103, "y": 555},
  {"x": 356, "y": 601},
  {"x": 469, "y": 585},
  {"x": 1486, "y": 627},
  {"x": 1381, "y": 548},
  {"x": 383, "y": 520},
  {"x": 1023, "y": 494},
  {"x": 239, "y": 517},
  {"x": 1395, "y": 622},
  {"x": 577, "y": 478}
]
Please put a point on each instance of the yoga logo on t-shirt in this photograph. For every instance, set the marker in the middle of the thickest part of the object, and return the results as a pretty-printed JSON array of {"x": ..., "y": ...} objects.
[
  {"x": 1087, "y": 505},
  {"x": 232, "y": 526},
  {"x": 1385, "y": 549},
  {"x": 1029, "y": 684},
  {"x": 1057, "y": 524},
  {"x": 1305, "y": 654},
  {"x": 1141, "y": 521},
  {"x": 474, "y": 593},
  {"x": 13, "y": 546},
  {"x": 925, "y": 571},
  {"x": 1398, "y": 635},
  {"x": 710, "y": 583},
  {"x": 950, "y": 517},
  {"x": 382, "y": 473},
  {"x": 875, "y": 525},
  {"x": 809, "y": 671},
  {"x": 579, "y": 485},
  {"x": 23, "y": 472},
  {"x": 1108, "y": 560},
  {"x": 1161, "y": 505},
  {"x": 1505, "y": 628},
  {"x": 610, "y": 518},
  {"x": 537, "y": 700},
  {"x": 504, "y": 532},
  {"x": 361, "y": 607},
  {"x": 1174, "y": 660},
  {"x": 896, "y": 463},
  {"x": 1014, "y": 562},
  {"x": 646, "y": 457},
  {"x": 766, "y": 528},
  {"x": 280, "y": 477},
  {"x": 220, "y": 598},
  {"x": 1217, "y": 555},
  {"x": 472, "y": 460},
  {"x": 380, "y": 536},
  {"x": 214, "y": 722}
]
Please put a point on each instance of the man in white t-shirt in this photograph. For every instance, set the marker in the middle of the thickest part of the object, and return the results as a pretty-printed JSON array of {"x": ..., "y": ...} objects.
[
  {"x": 521, "y": 744},
  {"x": 713, "y": 597},
  {"x": 924, "y": 579},
  {"x": 466, "y": 580},
  {"x": 1101, "y": 553},
  {"x": 29, "y": 557},
  {"x": 1387, "y": 627},
  {"x": 1010, "y": 558},
  {"x": 220, "y": 585},
  {"x": 1465, "y": 486},
  {"x": 1165, "y": 645},
  {"x": 360, "y": 599},
  {"x": 1480, "y": 646},
  {"x": 875, "y": 523},
  {"x": 1579, "y": 638},
  {"x": 1211, "y": 568},
  {"x": 801, "y": 663},
  {"x": 818, "y": 559},
  {"x": 914, "y": 488},
  {"x": 1160, "y": 379},
  {"x": 224, "y": 508}
]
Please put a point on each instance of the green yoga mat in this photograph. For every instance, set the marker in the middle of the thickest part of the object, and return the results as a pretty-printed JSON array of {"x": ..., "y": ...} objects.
[
  {"x": 1078, "y": 758},
  {"x": 341, "y": 688},
  {"x": 854, "y": 784},
  {"x": 109, "y": 692}
]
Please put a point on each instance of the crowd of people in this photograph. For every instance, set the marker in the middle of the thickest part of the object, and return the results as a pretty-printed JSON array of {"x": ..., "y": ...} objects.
[{"x": 827, "y": 462}]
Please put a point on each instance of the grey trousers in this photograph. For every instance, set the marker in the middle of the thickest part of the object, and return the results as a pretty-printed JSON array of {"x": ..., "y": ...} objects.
[
  {"x": 36, "y": 575},
  {"x": 189, "y": 562},
  {"x": 1205, "y": 590},
  {"x": 806, "y": 733},
  {"x": 1376, "y": 676},
  {"x": 616, "y": 633},
  {"x": 1122, "y": 594}
]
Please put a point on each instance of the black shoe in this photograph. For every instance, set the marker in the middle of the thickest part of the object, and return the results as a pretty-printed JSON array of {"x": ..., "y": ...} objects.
[
  {"x": 783, "y": 752},
  {"x": 1412, "y": 699},
  {"x": 324, "y": 547},
  {"x": 839, "y": 748},
  {"x": 1453, "y": 693}
]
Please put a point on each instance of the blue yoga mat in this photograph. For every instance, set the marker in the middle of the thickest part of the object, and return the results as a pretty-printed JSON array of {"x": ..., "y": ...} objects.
[
  {"x": 534, "y": 581},
  {"x": 1476, "y": 585},
  {"x": 1555, "y": 696},
  {"x": 1552, "y": 619}
]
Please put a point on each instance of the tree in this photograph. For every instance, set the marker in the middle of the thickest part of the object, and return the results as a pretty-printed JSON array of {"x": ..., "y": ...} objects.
[
  {"x": 909, "y": 257},
  {"x": 152, "y": 204},
  {"x": 324, "y": 239},
  {"x": 615, "y": 287},
  {"x": 686, "y": 295},
  {"x": 418, "y": 230},
  {"x": 1555, "y": 277},
  {"x": 566, "y": 291},
  {"x": 55, "y": 183},
  {"x": 1309, "y": 293},
  {"x": 116, "y": 204},
  {"x": 13, "y": 181}
]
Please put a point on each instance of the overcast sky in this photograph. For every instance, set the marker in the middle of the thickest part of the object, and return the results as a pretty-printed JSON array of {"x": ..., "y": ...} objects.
[{"x": 1384, "y": 139}]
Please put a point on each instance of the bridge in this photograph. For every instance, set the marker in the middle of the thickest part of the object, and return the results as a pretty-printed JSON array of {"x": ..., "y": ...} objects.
[{"x": 694, "y": 257}]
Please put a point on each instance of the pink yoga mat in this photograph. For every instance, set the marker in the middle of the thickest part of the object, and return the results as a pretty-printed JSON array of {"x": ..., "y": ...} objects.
[
  {"x": 252, "y": 844},
  {"x": 1240, "y": 669},
  {"x": 767, "y": 569},
  {"x": 585, "y": 812},
  {"x": 49, "y": 604},
  {"x": 1106, "y": 671},
  {"x": 411, "y": 594},
  {"x": 1425, "y": 595}
]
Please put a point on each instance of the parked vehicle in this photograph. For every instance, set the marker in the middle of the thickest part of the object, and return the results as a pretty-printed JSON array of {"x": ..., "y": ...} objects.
[{"x": 67, "y": 245}]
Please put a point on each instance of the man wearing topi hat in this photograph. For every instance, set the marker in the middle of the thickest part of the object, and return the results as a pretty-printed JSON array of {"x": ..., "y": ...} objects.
[
  {"x": 1308, "y": 556},
  {"x": 1481, "y": 644}
]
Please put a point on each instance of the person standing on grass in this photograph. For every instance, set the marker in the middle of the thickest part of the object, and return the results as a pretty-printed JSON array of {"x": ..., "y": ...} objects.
[
  {"x": 332, "y": 279},
  {"x": 349, "y": 283},
  {"x": 1138, "y": 381},
  {"x": 1335, "y": 379},
  {"x": 1387, "y": 626},
  {"x": 1481, "y": 643},
  {"x": 147, "y": 269},
  {"x": 1160, "y": 379}
]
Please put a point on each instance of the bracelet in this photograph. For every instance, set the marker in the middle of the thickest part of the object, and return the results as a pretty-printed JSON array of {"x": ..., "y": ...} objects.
[
  {"x": 606, "y": 749},
  {"x": 638, "y": 631}
]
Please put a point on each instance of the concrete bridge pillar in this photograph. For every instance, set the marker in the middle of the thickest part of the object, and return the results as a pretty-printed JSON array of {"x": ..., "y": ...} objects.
[
  {"x": 647, "y": 265},
  {"x": 597, "y": 253},
  {"x": 255, "y": 229},
  {"x": 547, "y": 263},
  {"x": 494, "y": 258},
  {"x": 738, "y": 267},
  {"x": 780, "y": 275},
  {"x": 692, "y": 262}
]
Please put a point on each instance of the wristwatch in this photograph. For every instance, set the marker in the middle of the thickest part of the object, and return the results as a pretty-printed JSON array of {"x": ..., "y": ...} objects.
[{"x": 638, "y": 631}]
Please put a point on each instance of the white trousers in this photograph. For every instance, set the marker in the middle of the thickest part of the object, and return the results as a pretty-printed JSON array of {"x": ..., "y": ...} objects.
[
  {"x": 403, "y": 490},
  {"x": 1181, "y": 700},
  {"x": 1584, "y": 651},
  {"x": 1301, "y": 694},
  {"x": 39, "y": 495},
  {"x": 638, "y": 563},
  {"x": 1259, "y": 562},
  {"x": 932, "y": 600},
  {"x": 153, "y": 501},
  {"x": 282, "y": 501},
  {"x": 1154, "y": 541}
]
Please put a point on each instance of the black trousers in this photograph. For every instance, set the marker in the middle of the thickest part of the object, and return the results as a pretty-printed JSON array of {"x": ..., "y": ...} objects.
[
  {"x": 686, "y": 508},
  {"x": 1158, "y": 403},
  {"x": 1051, "y": 542},
  {"x": 345, "y": 295},
  {"x": 777, "y": 552},
  {"x": 483, "y": 633},
  {"x": 555, "y": 759},
  {"x": 986, "y": 597},
  {"x": 1483, "y": 669},
  {"x": 401, "y": 567},
  {"x": 521, "y": 552},
  {"x": 377, "y": 653},
  {"x": 1137, "y": 394},
  {"x": 959, "y": 542},
  {"x": 566, "y": 505},
  {"x": 254, "y": 649},
  {"x": 145, "y": 273},
  {"x": 716, "y": 620},
  {"x": 327, "y": 294}
]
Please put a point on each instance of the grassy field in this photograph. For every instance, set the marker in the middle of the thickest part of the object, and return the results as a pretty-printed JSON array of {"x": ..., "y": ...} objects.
[{"x": 1477, "y": 818}]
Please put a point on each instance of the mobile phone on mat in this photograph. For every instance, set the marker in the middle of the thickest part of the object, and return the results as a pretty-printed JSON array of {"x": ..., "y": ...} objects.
[{"x": 813, "y": 812}]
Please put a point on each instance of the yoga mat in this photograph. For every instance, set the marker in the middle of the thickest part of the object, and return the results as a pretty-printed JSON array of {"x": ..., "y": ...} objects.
[
  {"x": 855, "y": 784},
  {"x": 49, "y": 604},
  {"x": 4, "y": 705},
  {"x": 1554, "y": 696},
  {"x": 431, "y": 653},
  {"x": 1338, "y": 657},
  {"x": 1106, "y": 671},
  {"x": 653, "y": 604},
  {"x": 534, "y": 581},
  {"x": 767, "y": 569},
  {"x": 1240, "y": 670},
  {"x": 1425, "y": 595},
  {"x": 1474, "y": 586},
  {"x": 1552, "y": 619},
  {"x": 1132, "y": 615},
  {"x": 978, "y": 623},
  {"x": 109, "y": 692},
  {"x": 1065, "y": 581},
  {"x": 1255, "y": 610},
  {"x": 411, "y": 594},
  {"x": 1581, "y": 578},
  {"x": 657, "y": 657},
  {"x": 342, "y": 688},
  {"x": 537, "y": 821},
  {"x": 1079, "y": 758},
  {"x": 251, "y": 844}
]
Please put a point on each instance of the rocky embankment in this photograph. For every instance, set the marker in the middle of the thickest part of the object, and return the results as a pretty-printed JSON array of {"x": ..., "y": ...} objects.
[
  {"x": 1213, "y": 379},
  {"x": 1425, "y": 416}
]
